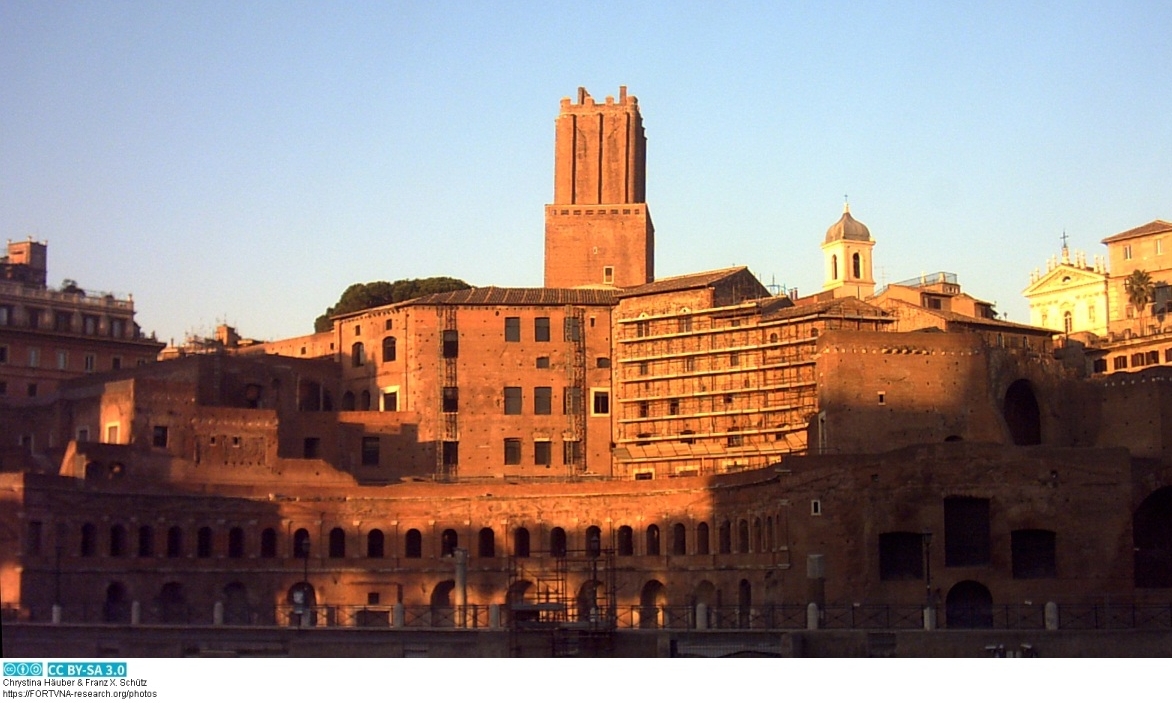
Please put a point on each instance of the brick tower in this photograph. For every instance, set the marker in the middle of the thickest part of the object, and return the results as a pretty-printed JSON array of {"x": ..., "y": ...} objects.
[{"x": 597, "y": 230}]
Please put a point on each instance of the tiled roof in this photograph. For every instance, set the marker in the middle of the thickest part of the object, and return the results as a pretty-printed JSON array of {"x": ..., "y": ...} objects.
[
  {"x": 953, "y": 317},
  {"x": 682, "y": 283},
  {"x": 847, "y": 307},
  {"x": 1152, "y": 228},
  {"x": 494, "y": 296}
]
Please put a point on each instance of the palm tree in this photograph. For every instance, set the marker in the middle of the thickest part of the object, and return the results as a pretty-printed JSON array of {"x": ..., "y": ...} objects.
[{"x": 1140, "y": 291}]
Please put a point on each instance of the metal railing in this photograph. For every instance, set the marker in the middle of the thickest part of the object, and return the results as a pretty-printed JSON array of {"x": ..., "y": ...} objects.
[{"x": 769, "y": 617}]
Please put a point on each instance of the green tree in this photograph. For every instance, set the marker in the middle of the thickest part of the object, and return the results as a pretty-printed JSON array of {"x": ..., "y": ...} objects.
[
  {"x": 1140, "y": 290},
  {"x": 380, "y": 293}
]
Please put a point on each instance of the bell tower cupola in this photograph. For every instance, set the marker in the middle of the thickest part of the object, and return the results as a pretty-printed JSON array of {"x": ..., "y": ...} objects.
[{"x": 847, "y": 254}]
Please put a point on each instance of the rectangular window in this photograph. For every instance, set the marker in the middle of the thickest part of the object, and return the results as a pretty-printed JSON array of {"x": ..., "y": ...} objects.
[
  {"x": 673, "y": 407},
  {"x": 62, "y": 322},
  {"x": 543, "y": 400},
  {"x": 3, "y": 354},
  {"x": 32, "y": 390},
  {"x": 690, "y": 364},
  {"x": 89, "y": 324},
  {"x": 311, "y": 448},
  {"x": 91, "y": 362},
  {"x": 543, "y": 362},
  {"x": 644, "y": 409},
  {"x": 608, "y": 274},
  {"x": 83, "y": 434},
  {"x": 112, "y": 434},
  {"x": 542, "y": 452},
  {"x": 117, "y": 328},
  {"x": 573, "y": 330},
  {"x": 512, "y": 329},
  {"x": 1119, "y": 362},
  {"x": 451, "y": 450},
  {"x": 966, "y": 531},
  {"x": 451, "y": 399},
  {"x": 451, "y": 344},
  {"x": 370, "y": 447},
  {"x": 571, "y": 451},
  {"x": 642, "y": 328},
  {"x": 512, "y": 450},
  {"x": 734, "y": 359},
  {"x": 541, "y": 329},
  {"x": 115, "y": 363},
  {"x": 5, "y": 315},
  {"x": 62, "y": 359},
  {"x": 390, "y": 400},
  {"x": 601, "y": 403},
  {"x": 1159, "y": 246},
  {"x": 3, "y": 388},
  {"x": 571, "y": 400},
  {"x": 34, "y": 318},
  {"x": 34, "y": 357},
  {"x": 512, "y": 400},
  {"x": 644, "y": 368},
  {"x": 1127, "y": 251},
  {"x": 159, "y": 436}
]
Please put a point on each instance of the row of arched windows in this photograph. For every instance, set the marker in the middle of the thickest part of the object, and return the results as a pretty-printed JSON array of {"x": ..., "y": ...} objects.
[{"x": 741, "y": 537}]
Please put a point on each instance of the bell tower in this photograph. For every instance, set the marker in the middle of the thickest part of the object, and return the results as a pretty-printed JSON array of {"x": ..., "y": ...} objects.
[
  {"x": 598, "y": 231},
  {"x": 847, "y": 253}
]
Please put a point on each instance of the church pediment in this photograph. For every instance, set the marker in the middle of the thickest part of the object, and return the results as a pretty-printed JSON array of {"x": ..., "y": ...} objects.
[{"x": 1063, "y": 277}]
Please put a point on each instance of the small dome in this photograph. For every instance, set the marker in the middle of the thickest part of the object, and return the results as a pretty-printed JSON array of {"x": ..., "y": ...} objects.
[{"x": 847, "y": 228}]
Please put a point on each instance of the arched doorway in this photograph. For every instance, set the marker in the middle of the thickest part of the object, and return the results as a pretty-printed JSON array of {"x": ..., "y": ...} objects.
[
  {"x": 236, "y": 611},
  {"x": 117, "y": 606},
  {"x": 969, "y": 605},
  {"x": 587, "y": 601},
  {"x": 172, "y": 603},
  {"x": 302, "y": 601},
  {"x": 442, "y": 613},
  {"x": 1152, "y": 538},
  {"x": 1022, "y": 413},
  {"x": 651, "y": 605}
]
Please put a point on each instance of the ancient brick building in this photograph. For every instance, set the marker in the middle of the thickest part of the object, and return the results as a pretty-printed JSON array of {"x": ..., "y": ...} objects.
[{"x": 688, "y": 452}]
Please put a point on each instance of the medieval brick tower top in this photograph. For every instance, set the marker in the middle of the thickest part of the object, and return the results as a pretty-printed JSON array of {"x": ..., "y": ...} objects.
[{"x": 597, "y": 230}]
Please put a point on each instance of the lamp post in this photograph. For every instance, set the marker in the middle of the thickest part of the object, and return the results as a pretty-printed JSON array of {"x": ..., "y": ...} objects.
[{"x": 929, "y": 610}]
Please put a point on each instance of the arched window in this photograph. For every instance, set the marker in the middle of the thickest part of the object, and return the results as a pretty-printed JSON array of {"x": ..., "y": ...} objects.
[
  {"x": 724, "y": 537},
  {"x": 357, "y": 354},
  {"x": 557, "y": 542},
  {"x": 89, "y": 540},
  {"x": 236, "y": 542},
  {"x": 117, "y": 541},
  {"x": 1067, "y": 322},
  {"x": 268, "y": 543},
  {"x": 652, "y": 539},
  {"x": 337, "y": 543},
  {"x": 374, "y": 543},
  {"x": 834, "y": 267},
  {"x": 203, "y": 542},
  {"x": 301, "y": 543},
  {"x": 679, "y": 539},
  {"x": 487, "y": 543},
  {"x": 348, "y": 401},
  {"x": 449, "y": 541},
  {"x": 388, "y": 349},
  {"x": 702, "y": 539},
  {"x": 521, "y": 542},
  {"x": 758, "y": 536},
  {"x": 365, "y": 401},
  {"x": 146, "y": 541},
  {"x": 174, "y": 541},
  {"x": 414, "y": 543},
  {"x": 626, "y": 541},
  {"x": 593, "y": 541},
  {"x": 743, "y": 536},
  {"x": 857, "y": 265}
]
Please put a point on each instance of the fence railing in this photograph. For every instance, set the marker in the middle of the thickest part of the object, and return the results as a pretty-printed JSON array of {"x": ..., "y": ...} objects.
[{"x": 686, "y": 617}]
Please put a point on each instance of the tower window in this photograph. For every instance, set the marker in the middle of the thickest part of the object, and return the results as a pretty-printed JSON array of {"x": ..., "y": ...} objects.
[
  {"x": 857, "y": 265},
  {"x": 608, "y": 274}
]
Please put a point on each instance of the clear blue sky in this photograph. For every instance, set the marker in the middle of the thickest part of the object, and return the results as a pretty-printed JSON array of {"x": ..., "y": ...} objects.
[{"x": 247, "y": 161}]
